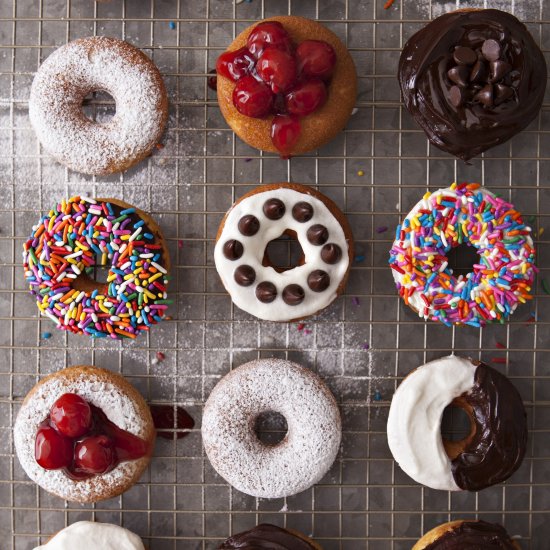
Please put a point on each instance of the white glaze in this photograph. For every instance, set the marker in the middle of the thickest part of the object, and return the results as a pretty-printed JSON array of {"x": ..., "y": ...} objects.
[
  {"x": 254, "y": 247},
  {"x": 414, "y": 422},
  {"x": 117, "y": 406},
  {"x": 95, "y": 536},
  {"x": 311, "y": 443},
  {"x": 67, "y": 76}
]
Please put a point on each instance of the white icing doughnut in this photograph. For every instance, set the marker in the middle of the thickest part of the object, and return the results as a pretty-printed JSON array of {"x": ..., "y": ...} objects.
[
  {"x": 414, "y": 422},
  {"x": 91, "y": 534},
  {"x": 93, "y": 64},
  {"x": 97, "y": 390},
  {"x": 254, "y": 248},
  {"x": 309, "y": 447}
]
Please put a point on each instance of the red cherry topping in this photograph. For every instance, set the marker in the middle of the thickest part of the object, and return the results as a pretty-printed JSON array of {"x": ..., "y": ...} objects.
[
  {"x": 252, "y": 98},
  {"x": 269, "y": 33},
  {"x": 315, "y": 59},
  {"x": 94, "y": 455},
  {"x": 285, "y": 131},
  {"x": 52, "y": 451},
  {"x": 70, "y": 415},
  {"x": 277, "y": 68},
  {"x": 306, "y": 97},
  {"x": 236, "y": 64}
]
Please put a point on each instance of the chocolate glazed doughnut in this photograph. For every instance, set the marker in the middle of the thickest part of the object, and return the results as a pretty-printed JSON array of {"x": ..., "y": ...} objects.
[{"x": 472, "y": 80}]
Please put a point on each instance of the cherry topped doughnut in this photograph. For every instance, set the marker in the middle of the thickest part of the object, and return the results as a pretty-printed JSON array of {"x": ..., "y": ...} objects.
[
  {"x": 91, "y": 64},
  {"x": 80, "y": 234},
  {"x": 264, "y": 214},
  {"x": 489, "y": 454},
  {"x": 463, "y": 214}
]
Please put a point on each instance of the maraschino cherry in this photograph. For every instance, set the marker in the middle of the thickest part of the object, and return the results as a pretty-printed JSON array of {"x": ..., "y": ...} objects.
[
  {"x": 52, "y": 451},
  {"x": 70, "y": 415},
  {"x": 94, "y": 455},
  {"x": 273, "y": 78}
]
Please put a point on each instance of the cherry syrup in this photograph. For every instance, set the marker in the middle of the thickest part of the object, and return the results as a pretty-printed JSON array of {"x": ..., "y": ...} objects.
[{"x": 169, "y": 422}]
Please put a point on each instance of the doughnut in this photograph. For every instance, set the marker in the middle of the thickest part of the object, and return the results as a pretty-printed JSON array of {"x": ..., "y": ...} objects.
[
  {"x": 266, "y": 213},
  {"x": 94, "y": 64},
  {"x": 292, "y": 97},
  {"x": 489, "y": 454},
  {"x": 84, "y": 434},
  {"x": 472, "y": 79},
  {"x": 463, "y": 214},
  {"x": 80, "y": 233},
  {"x": 461, "y": 534},
  {"x": 309, "y": 448},
  {"x": 93, "y": 534},
  {"x": 268, "y": 536}
]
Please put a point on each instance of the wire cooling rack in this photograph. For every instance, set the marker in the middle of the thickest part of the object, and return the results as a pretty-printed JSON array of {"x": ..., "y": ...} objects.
[{"x": 362, "y": 345}]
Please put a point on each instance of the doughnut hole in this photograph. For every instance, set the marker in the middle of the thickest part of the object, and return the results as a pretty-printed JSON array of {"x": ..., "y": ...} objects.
[
  {"x": 95, "y": 278},
  {"x": 270, "y": 428},
  {"x": 462, "y": 258},
  {"x": 99, "y": 106},
  {"x": 458, "y": 427},
  {"x": 284, "y": 253}
]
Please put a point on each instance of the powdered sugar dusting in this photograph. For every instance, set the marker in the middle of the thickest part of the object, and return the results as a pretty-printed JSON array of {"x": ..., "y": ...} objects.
[
  {"x": 98, "y": 389},
  {"x": 92, "y": 64},
  {"x": 312, "y": 440}
]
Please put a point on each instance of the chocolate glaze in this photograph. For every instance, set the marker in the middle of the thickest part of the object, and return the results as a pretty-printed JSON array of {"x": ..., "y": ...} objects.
[
  {"x": 293, "y": 295},
  {"x": 466, "y": 126},
  {"x": 266, "y": 292},
  {"x": 473, "y": 534},
  {"x": 498, "y": 446},
  {"x": 274, "y": 209},
  {"x": 317, "y": 234},
  {"x": 233, "y": 249},
  {"x": 245, "y": 275},
  {"x": 249, "y": 225},
  {"x": 266, "y": 536},
  {"x": 318, "y": 280},
  {"x": 302, "y": 212},
  {"x": 331, "y": 253}
]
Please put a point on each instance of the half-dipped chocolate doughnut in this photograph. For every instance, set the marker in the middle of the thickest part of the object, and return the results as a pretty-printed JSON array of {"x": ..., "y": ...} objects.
[
  {"x": 265, "y": 214},
  {"x": 98, "y": 63},
  {"x": 269, "y": 537},
  {"x": 309, "y": 447},
  {"x": 472, "y": 79},
  {"x": 463, "y": 534},
  {"x": 286, "y": 84},
  {"x": 489, "y": 454}
]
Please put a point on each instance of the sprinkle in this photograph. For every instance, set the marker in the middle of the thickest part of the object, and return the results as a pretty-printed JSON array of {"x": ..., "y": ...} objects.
[
  {"x": 46, "y": 335},
  {"x": 541, "y": 231},
  {"x": 360, "y": 173},
  {"x": 501, "y": 360},
  {"x": 154, "y": 361},
  {"x": 180, "y": 243},
  {"x": 366, "y": 346},
  {"x": 355, "y": 301},
  {"x": 499, "y": 345},
  {"x": 377, "y": 396},
  {"x": 381, "y": 229},
  {"x": 300, "y": 326},
  {"x": 159, "y": 146},
  {"x": 161, "y": 356},
  {"x": 359, "y": 259},
  {"x": 388, "y": 4},
  {"x": 307, "y": 331},
  {"x": 546, "y": 286},
  {"x": 248, "y": 160},
  {"x": 172, "y": 25}
]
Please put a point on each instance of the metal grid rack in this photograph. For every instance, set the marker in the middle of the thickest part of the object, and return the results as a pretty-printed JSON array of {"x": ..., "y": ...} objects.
[{"x": 375, "y": 171}]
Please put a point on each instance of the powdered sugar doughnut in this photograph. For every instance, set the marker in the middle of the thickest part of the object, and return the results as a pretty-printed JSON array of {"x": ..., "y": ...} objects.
[
  {"x": 120, "y": 402},
  {"x": 93, "y": 64},
  {"x": 264, "y": 214},
  {"x": 309, "y": 448}
]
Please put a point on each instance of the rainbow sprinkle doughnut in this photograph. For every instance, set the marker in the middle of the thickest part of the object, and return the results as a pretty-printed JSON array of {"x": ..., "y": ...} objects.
[
  {"x": 464, "y": 213},
  {"x": 80, "y": 233}
]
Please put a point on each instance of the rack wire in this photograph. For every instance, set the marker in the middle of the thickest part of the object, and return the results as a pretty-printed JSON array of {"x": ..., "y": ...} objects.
[{"x": 362, "y": 345}]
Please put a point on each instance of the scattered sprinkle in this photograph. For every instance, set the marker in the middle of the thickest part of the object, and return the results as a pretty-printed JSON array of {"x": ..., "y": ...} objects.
[
  {"x": 359, "y": 259},
  {"x": 248, "y": 160},
  {"x": 377, "y": 396},
  {"x": 46, "y": 335},
  {"x": 388, "y": 4},
  {"x": 161, "y": 356},
  {"x": 360, "y": 173},
  {"x": 180, "y": 243},
  {"x": 501, "y": 360},
  {"x": 381, "y": 229},
  {"x": 355, "y": 301},
  {"x": 307, "y": 331},
  {"x": 172, "y": 25},
  {"x": 159, "y": 146},
  {"x": 168, "y": 317},
  {"x": 546, "y": 286},
  {"x": 532, "y": 220},
  {"x": 541, "y": 231},
  {"x": 499, "y": 345},
  {"x": 366, "y": 346},
  {"x": 300, "y": 326}
]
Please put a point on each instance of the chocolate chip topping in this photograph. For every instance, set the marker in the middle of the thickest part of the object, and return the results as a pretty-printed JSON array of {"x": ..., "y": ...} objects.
[
  {"x": 233, "y": 249},
  {"x": 249, "y": 225},
  {"x": 498, "y": 446},
  {"x": 293, "y": 295},
  {"x": 460, "y": 75},
  {"x": 244, "y": 275},
  {"x": 274, "y": 209},
  {"x": 318, "y": 280},
  {"x": 331, "y": 253},
  {"x": 456, "y": 96},
  {"x": 485, "y": 96},
  {"x": 464, "y": 56},
  {"x": 499, "y": 69},
  {"x": 479, "y": 72},
  {"x": 266, "y": 292},
  {"x": 491, "y": 50},
  {"x": 317, "y": 234},
  {"x": 302, "y": 212}
]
